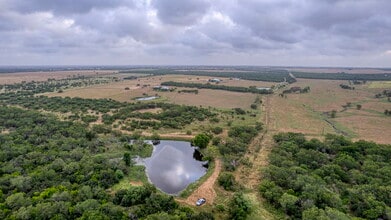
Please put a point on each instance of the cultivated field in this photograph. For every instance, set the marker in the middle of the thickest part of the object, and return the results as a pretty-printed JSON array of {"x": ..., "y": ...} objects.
[{"x": 10, "y": 78}]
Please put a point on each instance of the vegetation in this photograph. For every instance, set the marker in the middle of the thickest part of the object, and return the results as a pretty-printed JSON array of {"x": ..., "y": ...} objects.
[
  {"x": 343, "y": 76},
  {"x": 218, "y": 87},
  {"x": 240, "y": 207},
  {"x": 201, "y": 140},
  {"x": 343, "y": 86},
  {"x": 227, "y": 181},
  {"x": 236, "y": 145},
  {"x": 257, "y": 73},
  {"x": 334, "y": 179},
  {"x": 52, "y": 85}
]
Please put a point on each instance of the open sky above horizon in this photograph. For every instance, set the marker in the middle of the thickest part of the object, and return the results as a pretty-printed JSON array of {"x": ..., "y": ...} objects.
[{"x": 353, "y": 33}]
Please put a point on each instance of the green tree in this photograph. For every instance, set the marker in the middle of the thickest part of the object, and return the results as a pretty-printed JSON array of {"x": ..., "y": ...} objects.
[
  {"x": 333, "y": 114},
  {"x": 201, "y": 140},
  {"x": 127, "y": 158},
  {"x": 314, "y": 214},
  {"x": 17, "y": 200},
  {"x": 227, "y": 181},
  {"x": 288, "y": 203},
  {"x": 240, "y": 207}
]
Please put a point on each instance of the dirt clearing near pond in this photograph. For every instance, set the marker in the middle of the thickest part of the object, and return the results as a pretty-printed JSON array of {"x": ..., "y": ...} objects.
[{"x": 206, "y": 190}]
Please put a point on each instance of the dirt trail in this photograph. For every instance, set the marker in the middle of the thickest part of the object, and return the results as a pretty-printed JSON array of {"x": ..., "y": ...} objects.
[
  {"x": 206, "y": 190},
  {"x": 258, "y": 150}
]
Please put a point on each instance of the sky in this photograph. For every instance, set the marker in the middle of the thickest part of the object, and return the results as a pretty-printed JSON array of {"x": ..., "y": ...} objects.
[{"x": 355, "y": 33}]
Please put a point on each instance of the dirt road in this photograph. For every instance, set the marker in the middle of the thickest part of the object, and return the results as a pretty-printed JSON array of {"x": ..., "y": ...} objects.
[{"x": 206, "y": 190}]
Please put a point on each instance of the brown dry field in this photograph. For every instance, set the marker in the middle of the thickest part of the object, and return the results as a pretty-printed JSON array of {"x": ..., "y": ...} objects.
[
  {"x": 296, "y": 113},
  {"x": 205, "y": 97},
  {"x": 204, "y": 80},
  {"x": 303, "y": 112},
  {"x": 339, "y": 70},
  {"x": 10, "y": 78}
]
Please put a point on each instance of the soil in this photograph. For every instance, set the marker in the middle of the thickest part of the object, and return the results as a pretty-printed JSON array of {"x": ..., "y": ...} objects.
[{"x": 206, "y": 190}]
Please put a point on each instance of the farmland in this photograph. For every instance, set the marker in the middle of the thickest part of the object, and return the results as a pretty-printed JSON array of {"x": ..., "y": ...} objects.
[{"x": 239, "y": 127}]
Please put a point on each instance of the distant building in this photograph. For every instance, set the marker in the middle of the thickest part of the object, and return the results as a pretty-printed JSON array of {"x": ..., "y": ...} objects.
[
  {"x": 264, "y": 88},
  {"x": 162, "y": 88},
  {"x": 215, "y": 80}
]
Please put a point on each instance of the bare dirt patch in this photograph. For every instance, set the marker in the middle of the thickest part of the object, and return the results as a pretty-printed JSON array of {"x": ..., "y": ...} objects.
[
  {"x": 136, "y": 183},
  {"x": 206, "y": 190},
  {"x": 153, "y": 110}
]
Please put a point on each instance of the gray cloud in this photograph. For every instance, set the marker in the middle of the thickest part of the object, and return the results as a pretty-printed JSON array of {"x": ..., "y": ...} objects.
[
  {"x": 180, "y": 12},
  {"x": 195, "y": 32},
  {"x": 65, "y": 7}
]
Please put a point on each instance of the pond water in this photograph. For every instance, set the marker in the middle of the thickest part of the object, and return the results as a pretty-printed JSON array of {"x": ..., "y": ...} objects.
[
  {"x": 174, "y": 165},
  {"x": 147, "y": 98}
]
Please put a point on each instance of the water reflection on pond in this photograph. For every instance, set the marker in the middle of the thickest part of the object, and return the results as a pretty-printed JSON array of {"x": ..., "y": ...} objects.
[{"x": 174, "y": 165}]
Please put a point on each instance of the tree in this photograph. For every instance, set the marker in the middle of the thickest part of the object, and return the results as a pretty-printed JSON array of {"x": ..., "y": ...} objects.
[
  {"x": 227, "y": 181},
  {"x": 17, "y": 200},
  {"x": 333, "y": 113},
  {"x": 240, "y": 207},
  {"x": 217, "y": 130},
  {"x": 288, "y": 203},
  {"x": 201, "y": 140},
  {"x": 127, "y": 158},
  {"x": 314, "y": 214},
  {"x": 358, "y": 107}
]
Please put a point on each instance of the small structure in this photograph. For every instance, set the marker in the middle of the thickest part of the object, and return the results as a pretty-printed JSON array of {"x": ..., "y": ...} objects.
[
  {"x": 215, "y": 80},
  {"x": 161, "y": 88},
  {"x": 264, "y": 88}
]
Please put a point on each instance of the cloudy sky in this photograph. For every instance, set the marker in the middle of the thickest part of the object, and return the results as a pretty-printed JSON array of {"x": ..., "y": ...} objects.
[{"x": 192, "y": 32}]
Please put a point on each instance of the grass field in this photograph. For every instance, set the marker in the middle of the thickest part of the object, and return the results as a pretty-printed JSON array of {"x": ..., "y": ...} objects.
[
  {"x": 10, "y": 78},
  {"x": 380, "y": 85},
  {"x": 144, "y": 86},
  {"x": 340, "y": 70},
  {"x": 305, "y": 112}
]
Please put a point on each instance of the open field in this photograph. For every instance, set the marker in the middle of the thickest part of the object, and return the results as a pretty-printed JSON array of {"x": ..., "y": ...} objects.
[
  {"x": 143, "y": 86},
  {"x": 10, "y": 78},
  {"x": 380, "y": 85},
  {"x": 340, "y": 70},
  {"x": 306, "y": 112}
]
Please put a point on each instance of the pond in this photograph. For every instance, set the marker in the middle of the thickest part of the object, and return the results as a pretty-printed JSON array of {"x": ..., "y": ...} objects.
[
  {"x": 174, "y": 165},
  {"x": 147, "y": 98}
]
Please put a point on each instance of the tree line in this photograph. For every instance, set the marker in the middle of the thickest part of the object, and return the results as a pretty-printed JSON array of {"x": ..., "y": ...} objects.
[
  {"x": 344, "y": 76},
  {"x": 334, "y": 179},
  {"x": 218, "y": 87},
  {"x": 257, "y": 74}
]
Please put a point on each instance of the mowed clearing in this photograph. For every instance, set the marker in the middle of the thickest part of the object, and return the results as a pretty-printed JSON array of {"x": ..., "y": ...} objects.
[
  {"x": 144, "y": 87},
  {"x": 306, "y": 113}
]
